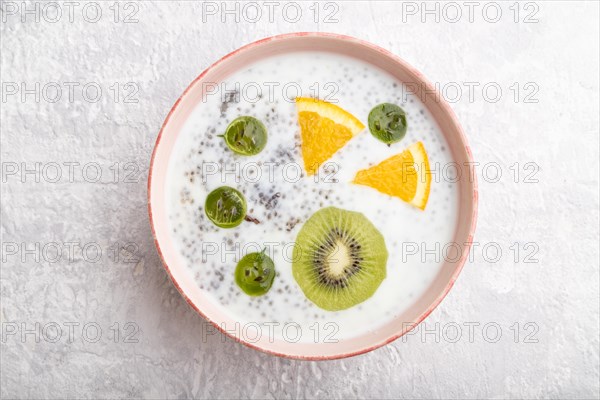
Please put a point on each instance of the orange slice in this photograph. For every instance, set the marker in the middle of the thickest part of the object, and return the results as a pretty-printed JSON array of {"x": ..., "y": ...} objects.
[
  {"x": 325, "y": 128},
  {"x": 405, "y": 175}
]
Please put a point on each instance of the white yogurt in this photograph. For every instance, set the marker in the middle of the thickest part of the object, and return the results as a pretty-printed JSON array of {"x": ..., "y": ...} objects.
[{"x": 211, "y": 253}]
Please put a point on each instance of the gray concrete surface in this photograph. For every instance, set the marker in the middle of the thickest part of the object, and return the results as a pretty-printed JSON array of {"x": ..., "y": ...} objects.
[{"x": 77, "y": 323}]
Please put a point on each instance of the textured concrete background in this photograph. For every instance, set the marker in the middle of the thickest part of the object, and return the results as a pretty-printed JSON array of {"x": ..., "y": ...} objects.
[{"x": 541, "y": 293}]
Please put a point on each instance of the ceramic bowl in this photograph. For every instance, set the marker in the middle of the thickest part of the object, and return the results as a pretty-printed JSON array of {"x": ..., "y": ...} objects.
[{"x": 343, "y": 45}]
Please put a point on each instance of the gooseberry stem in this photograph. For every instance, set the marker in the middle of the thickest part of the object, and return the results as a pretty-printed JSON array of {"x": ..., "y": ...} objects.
[{"x": 250, "y": 218}]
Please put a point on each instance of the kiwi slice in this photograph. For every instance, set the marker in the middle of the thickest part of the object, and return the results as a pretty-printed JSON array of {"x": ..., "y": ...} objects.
[{"x": 339, "y": 258}]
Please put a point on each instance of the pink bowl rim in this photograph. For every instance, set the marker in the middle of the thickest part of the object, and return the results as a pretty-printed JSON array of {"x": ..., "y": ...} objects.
[{"x": 445, "y": 108}]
